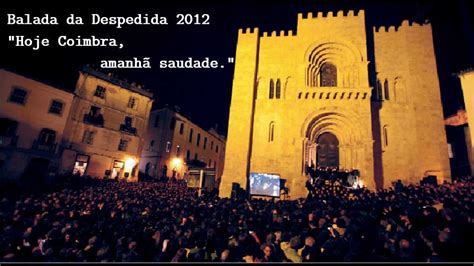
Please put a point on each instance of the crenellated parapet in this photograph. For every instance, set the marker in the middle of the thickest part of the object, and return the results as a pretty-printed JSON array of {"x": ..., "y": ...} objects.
[
  {"x": 248, "y": 30},
  {"x": 330, "y": 14},
  {"x": 405, "y": 26},
  {"x": 282, "y": 33}
]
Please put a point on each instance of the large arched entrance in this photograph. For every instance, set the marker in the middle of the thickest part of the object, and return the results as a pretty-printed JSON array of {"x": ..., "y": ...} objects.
[
  {"x": 332, "y": 139},
  {"x": 327, "y": 154}
]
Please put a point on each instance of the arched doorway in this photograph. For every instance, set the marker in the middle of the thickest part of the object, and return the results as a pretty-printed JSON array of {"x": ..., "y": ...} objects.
[{"x": 327, "y": 150}]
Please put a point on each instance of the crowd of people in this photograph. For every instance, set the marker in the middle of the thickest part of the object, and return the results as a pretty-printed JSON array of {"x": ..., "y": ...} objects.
[
  {"x": 113, "y": 221},
  {"x": 319, "y": 176}
]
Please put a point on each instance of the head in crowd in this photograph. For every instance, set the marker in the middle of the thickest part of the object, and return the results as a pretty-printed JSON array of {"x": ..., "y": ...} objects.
[{"x": 111, "y": 221}]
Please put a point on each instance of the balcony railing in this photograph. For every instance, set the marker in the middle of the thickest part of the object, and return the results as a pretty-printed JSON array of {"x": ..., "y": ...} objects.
[
  {"x": 51, "y": 148},
  {"x": 8, "y": 141},
  {"x": 96, "y": 121},
  {"x": 128, "y": 129}
]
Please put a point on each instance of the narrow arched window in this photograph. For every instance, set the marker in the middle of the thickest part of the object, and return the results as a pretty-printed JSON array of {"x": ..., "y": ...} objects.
[
  {"x": 386, "y": 90},
  {"x": 278, "y": 89},
  {"x": 328, "y": 75},
  {"x": 379, "y": 90},
  {"x": 272, "y": 89},
  {"x": 385, "y": 135},
  {"x": 191, "y": 131},
  {"x": 271, "y": 132}
]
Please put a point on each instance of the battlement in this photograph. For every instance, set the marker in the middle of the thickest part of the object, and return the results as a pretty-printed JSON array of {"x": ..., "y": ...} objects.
[
  {"x": 281, "y": 33},
  {"x": 248, "y": 31},
  {"x": 404, "y": 25},
  {"x": 330, "y": 14},
  {"x": 305, "y": 17}
]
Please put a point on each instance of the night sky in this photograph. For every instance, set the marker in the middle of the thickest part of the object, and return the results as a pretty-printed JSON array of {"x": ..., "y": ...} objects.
[{"x": 204, "y": 95}]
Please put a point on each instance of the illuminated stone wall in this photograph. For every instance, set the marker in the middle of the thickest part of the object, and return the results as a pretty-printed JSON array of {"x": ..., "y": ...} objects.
[
  {"x": 103, "y": 151},
  {"x": 304, "y": 109},
  {"x": 412, "y": 114}
]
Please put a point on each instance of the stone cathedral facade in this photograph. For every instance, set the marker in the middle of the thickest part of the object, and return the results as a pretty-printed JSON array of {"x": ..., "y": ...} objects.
[{"x": 336, "y": 92}]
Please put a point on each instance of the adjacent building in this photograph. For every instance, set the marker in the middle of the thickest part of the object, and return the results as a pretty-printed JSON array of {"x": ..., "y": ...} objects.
[
  {"x": 467, "y": 83},
  {"x": 338, "y": 92},
  {"x": 105, "y": 130},
  {"x": 457, "y": 132},
  {"x": 33, "y": 116},
  {"x": 174, "y": 144}
]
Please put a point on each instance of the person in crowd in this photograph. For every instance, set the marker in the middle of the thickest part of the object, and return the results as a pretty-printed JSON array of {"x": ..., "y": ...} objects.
[{"x": 92, "y": 220}]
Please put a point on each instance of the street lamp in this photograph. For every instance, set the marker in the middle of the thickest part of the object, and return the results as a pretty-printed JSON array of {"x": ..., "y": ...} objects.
[
  {"x": 130, "y": 163},
  {"x": 177, "y": 162}
]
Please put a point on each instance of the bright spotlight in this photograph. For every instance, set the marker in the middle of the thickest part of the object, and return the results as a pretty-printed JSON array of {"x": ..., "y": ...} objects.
[
  {"x": 176, "y": 162},
  {"x": 130, "y": 163}
]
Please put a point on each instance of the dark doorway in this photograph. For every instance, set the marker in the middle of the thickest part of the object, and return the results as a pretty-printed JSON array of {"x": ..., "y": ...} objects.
[
  {"x": 147, "y": 168},
  {"x": 328, "y": 150}
]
